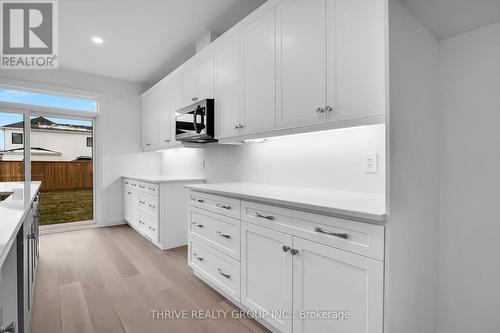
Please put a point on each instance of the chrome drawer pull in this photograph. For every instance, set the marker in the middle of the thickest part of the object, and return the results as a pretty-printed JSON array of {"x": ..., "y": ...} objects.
[
  {"x": 268, "y": 217},
  {"x": 227, "y": 276},
  {"x": 294, "y": 251},
  {"x": 129, "y": 192},
  {"x": 196, "y": 256},
  {"x": 223, "y": 235},
  {"x": 323, "y": 231},
  {"x": 198, "y": 200},
  {"x": 223, "y": 206},
  {"x": 198, "y": 225},
  {"x": 286, "y": 248}
]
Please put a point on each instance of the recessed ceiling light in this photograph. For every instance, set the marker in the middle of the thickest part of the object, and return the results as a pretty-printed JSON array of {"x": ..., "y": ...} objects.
[{"x": 97, "y": 40}]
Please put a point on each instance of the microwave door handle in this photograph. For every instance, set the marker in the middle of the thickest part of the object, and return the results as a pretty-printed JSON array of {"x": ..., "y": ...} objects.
[{"x": 196, "y": 128}]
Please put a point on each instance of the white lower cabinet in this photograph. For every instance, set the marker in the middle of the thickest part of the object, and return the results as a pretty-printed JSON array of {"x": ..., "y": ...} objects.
[
  {"x": 338, "y": 283},
  {"x": 266, "y": 274},
  {"x": 291, "y": 278},
  {"x": 157, "y": 211}
]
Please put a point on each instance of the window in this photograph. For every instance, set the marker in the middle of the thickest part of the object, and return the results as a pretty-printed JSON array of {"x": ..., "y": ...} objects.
[
  {"x": 89, "y": 141},
  {"x": 47, "y": 100},
  {"x": 17, "y": 138}
]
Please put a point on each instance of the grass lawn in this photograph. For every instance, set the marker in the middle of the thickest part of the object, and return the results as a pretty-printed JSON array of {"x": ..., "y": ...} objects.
[{"x": 65, "y": 206}]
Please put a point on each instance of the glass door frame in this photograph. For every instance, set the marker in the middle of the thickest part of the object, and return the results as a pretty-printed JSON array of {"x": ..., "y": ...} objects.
[{"x": 32, "y": 110}]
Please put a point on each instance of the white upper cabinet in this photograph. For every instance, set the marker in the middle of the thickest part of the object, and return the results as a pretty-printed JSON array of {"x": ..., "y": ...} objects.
[
  {"x": 356, "y": 58},
  {"x": 328, "y": 279},
  {"x": 205, "y": 73},
  {"x": 165, "y": 118},
  {"x": 258, "y": 75},
  {"x": 151, "y": 105},
  {"x": 227, "y": 86},
  {"x": 189, "y": 91},
  {"x": 301, "y": 62}
]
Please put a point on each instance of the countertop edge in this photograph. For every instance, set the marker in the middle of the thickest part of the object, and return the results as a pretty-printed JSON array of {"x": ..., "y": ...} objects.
[
  {"x": 159, "y": 181},
  {"x": 6, "y": 249},
  {"x": 378, "y": 219}
]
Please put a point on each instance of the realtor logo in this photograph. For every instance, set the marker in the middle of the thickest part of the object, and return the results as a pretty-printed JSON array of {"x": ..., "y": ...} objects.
[{"x": 29, "y": 34}]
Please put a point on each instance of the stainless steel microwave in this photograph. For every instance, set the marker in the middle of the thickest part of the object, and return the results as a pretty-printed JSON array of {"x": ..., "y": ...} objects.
[{"x": 195, "y": 123}]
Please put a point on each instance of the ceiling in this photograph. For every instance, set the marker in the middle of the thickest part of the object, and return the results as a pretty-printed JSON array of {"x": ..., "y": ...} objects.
[
  {"x": 447, "y": 18},
  {"x": 143, "y": 40}
]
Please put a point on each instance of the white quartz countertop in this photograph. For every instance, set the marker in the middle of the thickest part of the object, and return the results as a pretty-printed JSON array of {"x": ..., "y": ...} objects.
[
  {"x": 367, "y": 207},
  {"x": 157, "y": 179},
  {"x": 12, "y": 213}
]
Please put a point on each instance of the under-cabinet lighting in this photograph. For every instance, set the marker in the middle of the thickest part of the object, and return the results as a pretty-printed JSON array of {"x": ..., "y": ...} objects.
[
  {"x": 255, "y": 141},
  {"x": 97, "y": 40}
]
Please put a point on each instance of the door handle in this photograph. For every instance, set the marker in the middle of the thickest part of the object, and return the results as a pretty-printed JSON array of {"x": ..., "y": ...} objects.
[{"x": 323, "y": 231}]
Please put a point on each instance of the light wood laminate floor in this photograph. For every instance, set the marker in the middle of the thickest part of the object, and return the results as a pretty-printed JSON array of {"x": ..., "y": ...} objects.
[{"x": 109, "y": 280}]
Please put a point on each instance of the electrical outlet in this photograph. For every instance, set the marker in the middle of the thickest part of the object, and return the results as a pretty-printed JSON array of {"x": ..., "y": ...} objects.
[{"x": 370, "y": 162}]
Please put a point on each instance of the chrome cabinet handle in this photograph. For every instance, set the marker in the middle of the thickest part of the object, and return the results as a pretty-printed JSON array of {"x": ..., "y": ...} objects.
[
  {"x": 323, "y": 231},
  {"x": 167, "y": 140},
  {"x": 223, "y": 206},
  {"x": 328, "y": 108},
  {"x": 223, "y": 235},
  {"x": 227, "y": 276},
  {"x": 148, "y": 144},
  {"x": 198, "y": 225},
  {"x": 286, "y": 248},
  {"x": 238, "y": 126},
  {"x": 294, "y": 251},
  {"x": 198, "y": 200},
  {"x": 268, "y": 217},
  {"x": 320, "y": 110},
  {"x": 194, "y": 99},
  {"x": 129, "y": 192},
  {"x": 11, "y": 328},
  {"x": 196, "y": 256}
]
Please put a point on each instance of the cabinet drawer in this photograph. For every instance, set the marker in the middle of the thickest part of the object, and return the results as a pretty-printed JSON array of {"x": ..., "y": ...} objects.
[
  {"x": 152, "y": 189},
  {"x": 215, "y": 203},
  {"x": 217, "y": 268},
  {"x": 148, "y": 203},
  {"x": 357, "y": 237},
  {"x": 131, "y": 183},
  {"x": 149, "y": 226},
  {"x": 220, "y": 232}
]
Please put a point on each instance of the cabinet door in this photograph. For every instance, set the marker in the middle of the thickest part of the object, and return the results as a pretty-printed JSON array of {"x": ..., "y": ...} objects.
[
  {"x": 227, "y": 83},
  {"x": 205, "y": 73},
  {"x": 175, "y": 104},
  {"x": 165, "y": 119},
  {"x": 258, "y": 73},
  {"x": 150, "y": 121},
  {"x": 328, "y": 279},
  {"x": 127, "y": 204},
  {"x": 134, "y": 209},
  {"x": 356, "y": 62},
  {"x": 188, "y": 74},
  {"x": 301, "y": 62},
  {"x": 266, "y": 273}
]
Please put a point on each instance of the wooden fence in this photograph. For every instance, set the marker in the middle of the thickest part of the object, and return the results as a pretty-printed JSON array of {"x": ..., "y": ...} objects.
[{"x": 54, "y": 175}]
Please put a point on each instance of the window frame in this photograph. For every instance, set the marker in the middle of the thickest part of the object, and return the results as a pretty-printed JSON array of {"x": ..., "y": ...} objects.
[
  {"x": 91, "y": 142},
  {"x": 17, "y": 134}
]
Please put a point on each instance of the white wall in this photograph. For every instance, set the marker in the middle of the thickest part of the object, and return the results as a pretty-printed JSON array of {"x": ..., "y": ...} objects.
[
  {"x": 411, "y": 243},
  {"x": 331, "y": 159},
  {"x": 469, "y": 294},
  {"x": 119, "y": 130}
]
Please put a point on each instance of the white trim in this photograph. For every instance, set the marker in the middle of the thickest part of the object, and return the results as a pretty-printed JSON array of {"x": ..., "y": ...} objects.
[{"x": 64, "y": 227}]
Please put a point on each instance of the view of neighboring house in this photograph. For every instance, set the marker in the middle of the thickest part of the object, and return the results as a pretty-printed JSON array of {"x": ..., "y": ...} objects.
[{"x": 50, "y": 141}]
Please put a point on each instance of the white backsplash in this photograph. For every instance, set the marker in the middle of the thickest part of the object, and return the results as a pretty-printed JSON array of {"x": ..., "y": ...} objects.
[{"x": 331, "y": 159}]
